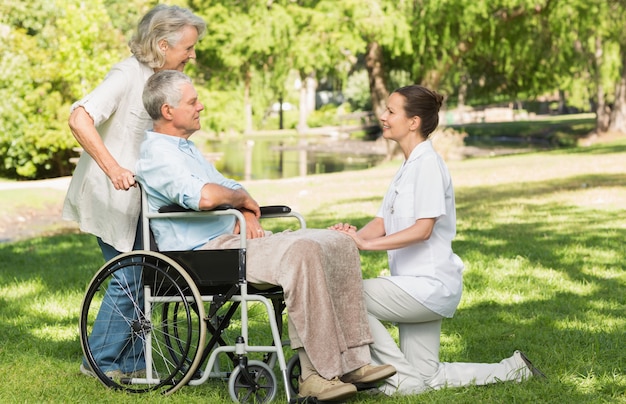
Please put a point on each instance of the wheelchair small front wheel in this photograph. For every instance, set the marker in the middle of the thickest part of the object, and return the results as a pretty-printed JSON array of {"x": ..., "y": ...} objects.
[
  {"x": 254, "y": 383},
  {"x": 293, "y": 374}
]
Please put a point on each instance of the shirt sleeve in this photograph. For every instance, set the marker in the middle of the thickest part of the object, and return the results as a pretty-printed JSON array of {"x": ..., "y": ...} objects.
[
  {"x": 430, "y": 190},
  {"x": 171, "y": 179},
  {"x": 102, "y": 102},
  {"x": 176, "y": 176}
]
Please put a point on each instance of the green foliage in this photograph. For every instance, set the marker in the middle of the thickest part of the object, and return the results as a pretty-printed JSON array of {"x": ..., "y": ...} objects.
[
  {"x": 124, "y": 15},
  {"x": 222, "y": 110},
  {"x": 327, "y": 115},
  {"x": 32, "y": 140},
  {"x": 356, "y": 91},
  {"x": 74, "y": 43},
  {"x": 55, "y": 52}
]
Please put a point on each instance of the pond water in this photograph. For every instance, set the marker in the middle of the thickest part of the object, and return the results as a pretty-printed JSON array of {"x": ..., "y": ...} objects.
[{"x": 271, "y": 157}]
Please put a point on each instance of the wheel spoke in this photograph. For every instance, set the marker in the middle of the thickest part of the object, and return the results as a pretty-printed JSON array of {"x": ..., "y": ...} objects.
[{"x": 176, "y": 335}]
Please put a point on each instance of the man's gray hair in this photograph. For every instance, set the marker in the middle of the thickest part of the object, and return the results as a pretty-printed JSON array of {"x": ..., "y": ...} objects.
[{"x": 164, "y": 87}]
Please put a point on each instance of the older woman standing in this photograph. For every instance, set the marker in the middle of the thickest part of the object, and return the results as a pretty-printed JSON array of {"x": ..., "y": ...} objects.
[
  {"x": 110, "y": 123},
  {"x": 416, "y": 224}
]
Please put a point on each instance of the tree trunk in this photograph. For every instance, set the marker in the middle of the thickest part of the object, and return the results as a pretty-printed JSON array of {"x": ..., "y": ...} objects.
[
  {"x": 247, "y": 101},
  {"x": 307, "y": 100},
  {"x": 562, "y": 109},
  {"x": 432, "y": 79},
  {"x": 378, "y": 88},
  {"x": 602, "y": 109},
  {"x": 281, "y": 125},
  {"x": 618, "y": 114},
  {"x": 376, "y": 73}
]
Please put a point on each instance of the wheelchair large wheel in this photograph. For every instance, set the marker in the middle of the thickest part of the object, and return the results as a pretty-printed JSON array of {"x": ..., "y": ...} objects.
[
  {"x": 143, "y": 308},
  {"x": 255, "y": 384},
  {"x": 174, "y": 334}
]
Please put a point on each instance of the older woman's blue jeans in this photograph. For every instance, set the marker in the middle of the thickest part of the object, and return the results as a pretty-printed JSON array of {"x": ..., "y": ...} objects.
[{"x": 111, "y": 341}]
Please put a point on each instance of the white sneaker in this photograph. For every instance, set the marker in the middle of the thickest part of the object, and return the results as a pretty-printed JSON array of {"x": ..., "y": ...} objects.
[
  {"x": 533, "y": 370},
  {"x": 111, "y": 374}
]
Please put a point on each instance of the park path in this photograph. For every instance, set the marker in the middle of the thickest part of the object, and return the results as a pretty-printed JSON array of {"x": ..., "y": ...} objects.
[
  {"x": 22, "y": 222},
  {"x": 60, "y": 183}
]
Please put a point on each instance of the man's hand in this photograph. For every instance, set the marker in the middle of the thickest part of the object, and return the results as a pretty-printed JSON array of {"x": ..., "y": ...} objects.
[
  {"x": 253, "y": 226},
  {"x": 249, "y": 204}
]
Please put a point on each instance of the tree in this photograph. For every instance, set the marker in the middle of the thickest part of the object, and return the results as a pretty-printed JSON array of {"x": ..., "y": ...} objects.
[
  {"x": 324, "y": 45},
  {"x": 338, "y": 33},
  {"x": 52, "y": 52},
  {"x": 243, "y": 39},
  {"x": 476, "y": 52},
  {"x": 596, "y": 68},
  {"x": 617, "y": 14}
]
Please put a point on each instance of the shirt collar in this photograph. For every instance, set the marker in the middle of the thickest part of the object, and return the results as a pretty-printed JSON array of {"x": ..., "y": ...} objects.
[
  {"x": 420, "y": 149},
  {"x": 181, "y": 143},
  {"x": 146, "y": 70}
]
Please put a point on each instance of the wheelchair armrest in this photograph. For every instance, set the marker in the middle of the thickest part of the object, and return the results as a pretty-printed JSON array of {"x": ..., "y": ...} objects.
[
  {"x": 265, "y": 210},
  {"x": 274, "y": 210},
  {"x": 177, "y": 208}
]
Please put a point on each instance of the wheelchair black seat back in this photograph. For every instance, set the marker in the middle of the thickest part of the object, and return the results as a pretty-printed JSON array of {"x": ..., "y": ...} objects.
[{"x": 160, "y": 318}]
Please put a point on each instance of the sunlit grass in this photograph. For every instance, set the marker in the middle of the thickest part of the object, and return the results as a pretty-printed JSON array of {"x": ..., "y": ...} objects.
[{"x": 541, "y": 235}]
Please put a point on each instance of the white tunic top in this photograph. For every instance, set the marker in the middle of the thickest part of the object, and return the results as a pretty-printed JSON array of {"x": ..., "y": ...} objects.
[
  {"x": 429, "y": 270},
  {"x": 121, "y": 120}
]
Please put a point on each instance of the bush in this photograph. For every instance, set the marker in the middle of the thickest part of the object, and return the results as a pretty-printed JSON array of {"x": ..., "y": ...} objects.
[
  {"x": 35, "y": 141},
  {"x": 327, "y": 115},
  {"x": 449, "y": 143},
  {"x": 52, "y": 53}
]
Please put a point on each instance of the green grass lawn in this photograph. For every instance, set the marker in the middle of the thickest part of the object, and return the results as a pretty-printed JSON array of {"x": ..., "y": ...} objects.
[{"x": 542, "y": 236}]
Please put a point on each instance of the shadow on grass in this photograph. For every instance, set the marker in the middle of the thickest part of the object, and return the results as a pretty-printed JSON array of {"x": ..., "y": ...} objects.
[
  {"x": 565, "y": 263},
  {"x": 618, "y": 146},
  {"x": 573, "y": 325},
  {"x": 39, "y": 277},
  {"x": 43, "y": 281},
  {"x": 472, "y": 201}
]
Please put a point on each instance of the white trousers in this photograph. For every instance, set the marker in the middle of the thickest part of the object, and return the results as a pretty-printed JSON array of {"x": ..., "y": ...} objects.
[{"x": 417, "y": 358}]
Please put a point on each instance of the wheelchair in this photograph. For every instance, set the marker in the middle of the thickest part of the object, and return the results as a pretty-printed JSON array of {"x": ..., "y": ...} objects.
[{"x": 183, "y": 303}]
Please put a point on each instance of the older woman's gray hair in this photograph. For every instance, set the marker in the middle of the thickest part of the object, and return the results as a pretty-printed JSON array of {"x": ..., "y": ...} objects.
[
  {"x": 162, "y": 23},
  {"x": 163, "y": 87}
]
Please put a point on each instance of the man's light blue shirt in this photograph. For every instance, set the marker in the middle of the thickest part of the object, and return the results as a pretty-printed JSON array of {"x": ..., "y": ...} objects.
[{"x": 173, "y": 171}]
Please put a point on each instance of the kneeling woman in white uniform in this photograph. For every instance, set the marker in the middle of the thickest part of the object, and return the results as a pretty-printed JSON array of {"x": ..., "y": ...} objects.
[{"x": 416, "y": 224}]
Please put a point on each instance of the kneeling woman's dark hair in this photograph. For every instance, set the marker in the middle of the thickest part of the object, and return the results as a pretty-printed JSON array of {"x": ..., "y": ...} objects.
[{"x": 422, "y": 102}]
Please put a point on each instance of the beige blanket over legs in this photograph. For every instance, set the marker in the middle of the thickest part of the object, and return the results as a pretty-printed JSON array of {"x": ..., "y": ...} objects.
[{"x": 320, "y": 273}]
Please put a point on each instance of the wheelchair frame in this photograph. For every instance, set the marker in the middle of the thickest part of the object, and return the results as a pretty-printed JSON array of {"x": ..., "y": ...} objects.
[{"x": 168, "y": 291}]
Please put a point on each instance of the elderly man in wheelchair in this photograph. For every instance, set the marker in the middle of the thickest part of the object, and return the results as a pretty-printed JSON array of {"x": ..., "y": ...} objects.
[{"x": 318, "y": 270}]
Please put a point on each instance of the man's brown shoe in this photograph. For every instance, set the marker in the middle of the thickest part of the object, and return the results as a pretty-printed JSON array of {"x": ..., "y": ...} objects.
[
  {"x": 325, "y": 390},
  {"x": 369, "y": 374}
]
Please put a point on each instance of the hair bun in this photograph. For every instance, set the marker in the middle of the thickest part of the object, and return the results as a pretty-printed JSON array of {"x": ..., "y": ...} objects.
[{"x": 438, "y": 98}]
